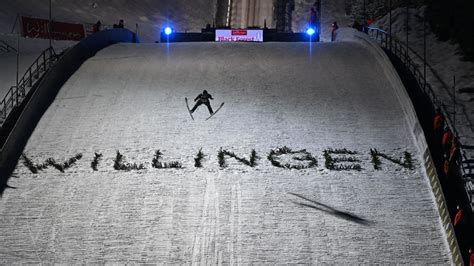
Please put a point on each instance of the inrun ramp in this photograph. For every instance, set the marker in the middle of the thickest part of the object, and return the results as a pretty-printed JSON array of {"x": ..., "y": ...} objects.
[{"x": 130, "y": 98}]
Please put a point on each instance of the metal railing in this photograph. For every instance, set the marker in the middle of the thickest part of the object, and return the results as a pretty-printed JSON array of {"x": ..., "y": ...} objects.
[
  {"x": 6, "y": 48},
  {"x": 399, "y": 49},
  {"x": 33, "y": 74}
]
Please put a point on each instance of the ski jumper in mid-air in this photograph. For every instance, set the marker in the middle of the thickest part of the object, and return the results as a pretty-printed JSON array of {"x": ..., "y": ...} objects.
[{"x": 203, "y": 98}]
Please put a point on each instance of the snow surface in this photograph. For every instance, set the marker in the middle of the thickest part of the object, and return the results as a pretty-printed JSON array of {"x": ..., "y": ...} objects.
[
  {"x": 130, "y": 97},
  {"x": 446, "y": 60}
]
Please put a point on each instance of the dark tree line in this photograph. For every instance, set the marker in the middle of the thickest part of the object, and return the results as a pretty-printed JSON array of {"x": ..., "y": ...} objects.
[
  {"x": 450, "y": 20},
  {"x": 454, "y": 20}
]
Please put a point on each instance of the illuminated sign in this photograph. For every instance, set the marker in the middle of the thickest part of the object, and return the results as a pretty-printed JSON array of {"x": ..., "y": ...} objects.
[{"x": 239, "y": 35}]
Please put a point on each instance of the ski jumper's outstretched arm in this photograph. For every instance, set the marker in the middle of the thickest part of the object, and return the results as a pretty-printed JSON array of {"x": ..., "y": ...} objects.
[{"x": 199, "y": 96}]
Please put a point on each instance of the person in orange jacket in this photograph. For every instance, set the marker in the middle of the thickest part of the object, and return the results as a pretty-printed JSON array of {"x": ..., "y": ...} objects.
[
  {"x": 471, "y": 257},
  {"x": 459, "y": 216},
  {"x": 438, "y": 122},
  {"x": 446, "y": 167},
  {"x": 447, "y": 140}
]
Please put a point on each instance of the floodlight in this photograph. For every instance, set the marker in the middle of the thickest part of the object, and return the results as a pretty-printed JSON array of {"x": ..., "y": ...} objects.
[
  {"x": 168, "y": 30},
  {"x": 310, "y": 31}
]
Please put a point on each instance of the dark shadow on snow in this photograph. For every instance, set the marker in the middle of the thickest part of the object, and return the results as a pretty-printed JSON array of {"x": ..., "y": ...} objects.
[
  {"x": 330, "y": 210},
  {"x": 4, "y": 175}
]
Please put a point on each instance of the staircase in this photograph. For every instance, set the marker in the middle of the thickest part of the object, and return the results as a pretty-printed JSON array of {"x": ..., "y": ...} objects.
[{"x": 10, "y": 106}]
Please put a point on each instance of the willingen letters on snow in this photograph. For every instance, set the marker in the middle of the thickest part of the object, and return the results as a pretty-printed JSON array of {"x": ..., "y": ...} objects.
[{"x": 283, "y": 157}]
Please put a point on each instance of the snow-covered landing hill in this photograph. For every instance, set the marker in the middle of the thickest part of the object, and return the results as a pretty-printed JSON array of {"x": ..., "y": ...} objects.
[{"x": 130, "y": 97}]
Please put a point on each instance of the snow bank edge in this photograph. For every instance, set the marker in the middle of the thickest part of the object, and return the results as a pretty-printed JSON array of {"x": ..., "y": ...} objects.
[{"x": 352, "y": 35}]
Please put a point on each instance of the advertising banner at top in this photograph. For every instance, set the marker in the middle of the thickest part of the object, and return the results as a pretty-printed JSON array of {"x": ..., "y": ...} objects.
[
  {"x": 239, "y": 35},
  {"x": 38, "y": 28}
]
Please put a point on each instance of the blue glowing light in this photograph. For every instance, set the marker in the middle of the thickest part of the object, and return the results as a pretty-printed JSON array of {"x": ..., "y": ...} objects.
[
  {"x": 310, "y": 31},
  {"x": 168, "y": 30}
]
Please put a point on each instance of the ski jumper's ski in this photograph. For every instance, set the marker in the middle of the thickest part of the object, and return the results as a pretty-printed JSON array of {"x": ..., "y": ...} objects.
[
  {"x": 222, "y": 104},
  {"x": 189, "y": 110}
]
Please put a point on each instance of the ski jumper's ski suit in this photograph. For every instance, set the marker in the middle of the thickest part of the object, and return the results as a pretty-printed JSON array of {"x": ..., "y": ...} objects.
[{"x": 203, "y": 98}]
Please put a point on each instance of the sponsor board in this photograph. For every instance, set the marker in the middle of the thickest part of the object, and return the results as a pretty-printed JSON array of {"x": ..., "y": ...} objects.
[{"x": 239, "y": 35}]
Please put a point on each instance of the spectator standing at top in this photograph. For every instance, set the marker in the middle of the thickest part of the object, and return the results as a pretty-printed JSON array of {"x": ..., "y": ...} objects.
[
  {"x": 208, "y": 28},
  {"x": 334, "y": 28},
  {"x": 96, "y": 27},
  {"x": 366, "y": 25},
  {"x": 120, "y": 25},
  {"x": 370, "y": 21}
]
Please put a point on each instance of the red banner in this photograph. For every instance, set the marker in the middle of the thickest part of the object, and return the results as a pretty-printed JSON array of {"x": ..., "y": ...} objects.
[
  {"x": 239, "y": 32},
  {"x": 38, "y": 28}
]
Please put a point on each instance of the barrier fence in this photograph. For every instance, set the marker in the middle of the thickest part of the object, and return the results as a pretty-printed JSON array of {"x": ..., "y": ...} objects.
[
  {"x": 400, "y": 49},
  {"x": 33, "y": 74}
]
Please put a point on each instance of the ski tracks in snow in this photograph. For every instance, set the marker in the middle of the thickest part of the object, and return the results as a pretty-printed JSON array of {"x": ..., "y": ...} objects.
[
  {"x": 205, "y": 246},
  {"x": 235, "y": 249}
]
